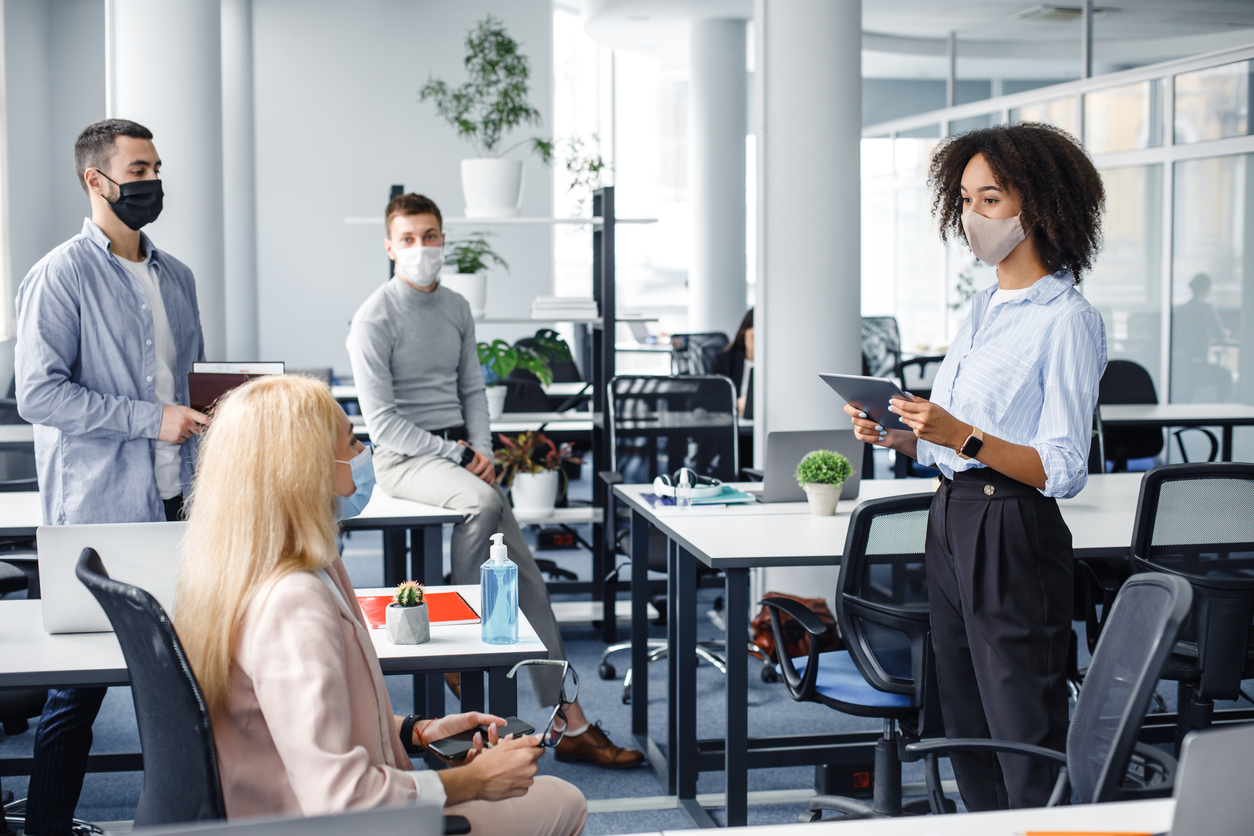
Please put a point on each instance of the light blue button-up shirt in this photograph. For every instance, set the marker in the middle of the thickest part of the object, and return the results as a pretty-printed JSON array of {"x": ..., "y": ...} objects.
[
  {"x": 86, "y": 366},
  {"x": 1026, "y": 372}
]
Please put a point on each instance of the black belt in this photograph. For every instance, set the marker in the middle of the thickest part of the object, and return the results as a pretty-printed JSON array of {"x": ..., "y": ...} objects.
[
  {"x": 452, "y": 433},
  {"x": 984, "y": 483}
]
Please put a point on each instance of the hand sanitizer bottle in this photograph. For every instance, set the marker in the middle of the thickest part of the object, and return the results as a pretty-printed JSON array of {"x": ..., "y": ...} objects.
[
  {"x": 683, "y": 491},
  {"x": 498, "y": 590}
]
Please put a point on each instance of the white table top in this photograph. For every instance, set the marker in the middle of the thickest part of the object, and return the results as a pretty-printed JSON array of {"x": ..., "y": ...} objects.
[
  {"x": 33, "y": 658},
  {"x": 385, "y": 511},
  {"x": 20, "y": 514},
  {"x": 1178, "y": 413},
  {"x": 1093, "y": 819},
  {"x": 19, "y": 434},
  {"x": 784, "y": 534},
  {"x": 348, "y": 392}
]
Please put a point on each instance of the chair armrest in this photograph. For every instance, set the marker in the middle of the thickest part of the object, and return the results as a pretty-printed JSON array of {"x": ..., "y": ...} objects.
[
  {"x": 915, "y": 751},
  {"x": 611, "y": 477},
  {"x": 799, "y": 611}
]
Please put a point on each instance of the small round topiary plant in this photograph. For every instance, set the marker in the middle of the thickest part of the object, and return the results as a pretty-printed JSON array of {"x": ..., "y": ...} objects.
[
  {"x": 409, "y": 594},
  {"x": 823, "y": 467}
]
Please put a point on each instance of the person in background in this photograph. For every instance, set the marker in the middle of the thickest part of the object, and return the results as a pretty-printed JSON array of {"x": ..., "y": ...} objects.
[
  {"x": 737, "y": 363},
  {"x": 302, "y": 720},
  {"x": 107, "y": 330},
  {"x": 416, "y": 366},
  {"x": 1009, "y": 427}
]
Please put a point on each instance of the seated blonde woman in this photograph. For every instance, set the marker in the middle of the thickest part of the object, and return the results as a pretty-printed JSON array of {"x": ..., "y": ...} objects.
[{"x": 271, "y": 625}]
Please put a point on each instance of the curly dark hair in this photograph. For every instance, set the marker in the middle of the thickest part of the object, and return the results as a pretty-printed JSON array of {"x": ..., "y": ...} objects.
[{"x": 1060, "y": 190}]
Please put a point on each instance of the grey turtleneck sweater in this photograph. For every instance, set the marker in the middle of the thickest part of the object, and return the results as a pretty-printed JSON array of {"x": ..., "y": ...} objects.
[{"x": 416, "y": 367}]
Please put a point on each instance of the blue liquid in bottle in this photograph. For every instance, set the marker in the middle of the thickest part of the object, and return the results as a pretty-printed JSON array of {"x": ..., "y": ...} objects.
[{"x": 498, "y": 589}]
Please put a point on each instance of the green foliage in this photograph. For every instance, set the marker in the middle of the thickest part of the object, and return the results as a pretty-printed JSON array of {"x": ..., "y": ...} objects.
[
  {"x": 494, "y": 99},
  {"x": 472, "y": 254},
  {"x": 824, "y": 467},
  {"x": 409, "y": 594},
  {"x": 551, "y": 346},
  {"x": 584, "y": 168},
  {"x": 530, "y": 452},
  {"x": 498, "y": 358}
]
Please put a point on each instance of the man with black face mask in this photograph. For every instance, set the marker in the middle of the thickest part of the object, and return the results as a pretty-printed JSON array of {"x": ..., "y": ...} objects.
[{"x": 107, "y": 330}]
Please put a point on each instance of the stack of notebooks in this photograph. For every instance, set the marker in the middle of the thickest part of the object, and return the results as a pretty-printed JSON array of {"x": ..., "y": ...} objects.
[{"x": 564, "y": 307}]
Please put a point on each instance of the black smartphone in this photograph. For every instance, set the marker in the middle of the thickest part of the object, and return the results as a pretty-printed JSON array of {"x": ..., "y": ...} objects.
[{"x": 457, "y": 745}]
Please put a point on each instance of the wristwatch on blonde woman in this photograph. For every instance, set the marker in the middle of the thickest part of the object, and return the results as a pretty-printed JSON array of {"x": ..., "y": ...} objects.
[{"x": 971, "y": 447}]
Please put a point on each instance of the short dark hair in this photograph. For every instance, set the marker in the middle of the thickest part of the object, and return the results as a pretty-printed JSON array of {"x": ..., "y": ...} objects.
[
  {"x": 95, "y": 145},
  {"x": 1061, "y": 192},
  {"x": 738, "y": 344},
  {"x": 410, "y": 204}
]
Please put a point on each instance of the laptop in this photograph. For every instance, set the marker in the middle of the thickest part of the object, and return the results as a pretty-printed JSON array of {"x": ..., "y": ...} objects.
[
  {"x": 409, "y": 820},
  {"x": 1213, "y": 783},
  {"x": 142, "y": 554},
  {"x": 785, "y": 450}
]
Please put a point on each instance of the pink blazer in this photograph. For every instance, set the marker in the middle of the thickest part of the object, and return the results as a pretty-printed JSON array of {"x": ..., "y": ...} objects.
[{"x": 309, "y": 729}]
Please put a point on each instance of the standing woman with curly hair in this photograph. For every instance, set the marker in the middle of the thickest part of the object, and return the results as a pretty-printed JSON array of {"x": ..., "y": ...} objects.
[{"x": 1009, "y": 427}]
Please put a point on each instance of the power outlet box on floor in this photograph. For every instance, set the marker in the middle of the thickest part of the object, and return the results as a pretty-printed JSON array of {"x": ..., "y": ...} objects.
[
  {"x": 851, "y": 782},
  {"x": 553, "y": 538}
]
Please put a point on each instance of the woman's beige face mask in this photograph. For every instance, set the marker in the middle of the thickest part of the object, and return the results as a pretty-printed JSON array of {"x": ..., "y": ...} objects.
[{"x": 992, "y": 239}]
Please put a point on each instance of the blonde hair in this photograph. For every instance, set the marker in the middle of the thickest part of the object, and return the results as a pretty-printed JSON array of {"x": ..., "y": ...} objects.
[{"x": 261, "y": 505}]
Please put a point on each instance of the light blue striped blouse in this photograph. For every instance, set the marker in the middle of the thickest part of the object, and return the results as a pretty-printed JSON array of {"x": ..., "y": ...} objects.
[{"x": 1026, "y": 373}]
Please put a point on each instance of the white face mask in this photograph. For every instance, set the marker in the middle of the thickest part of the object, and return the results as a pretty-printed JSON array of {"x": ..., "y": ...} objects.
[
  {"x": 992, "y": 239},
  {"x": 420, "y": 265}
]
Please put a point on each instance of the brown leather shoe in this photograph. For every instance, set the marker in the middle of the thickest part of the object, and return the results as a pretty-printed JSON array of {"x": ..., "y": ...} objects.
[
  {"x": 595, "y": 747},
  {"x": 454, "y": 681}
]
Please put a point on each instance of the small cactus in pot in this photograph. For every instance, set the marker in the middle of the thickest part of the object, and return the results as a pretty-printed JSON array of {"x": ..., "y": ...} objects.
[{"x": 407, "y": 618}]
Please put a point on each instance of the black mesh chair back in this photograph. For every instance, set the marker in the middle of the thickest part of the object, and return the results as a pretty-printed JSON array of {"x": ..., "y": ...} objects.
[
  {"x": 180, "y": 760},
  {"x": 1136, "y": 641},
  {"x": 694, "y": 353},
  {"x": 881, "y": 346},
  {"x": 882, "y": 605},
  {"x": 1196, "y": 521},
  {"x": 660, "y": 424},
  {"x": 1126, "y": 382}
]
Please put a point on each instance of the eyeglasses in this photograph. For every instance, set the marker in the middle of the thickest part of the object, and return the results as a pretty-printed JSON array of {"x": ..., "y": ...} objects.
[{"x": 556, "y": 728}]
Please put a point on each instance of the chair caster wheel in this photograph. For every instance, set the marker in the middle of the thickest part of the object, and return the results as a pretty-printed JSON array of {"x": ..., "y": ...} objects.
[
  {"x": 769, "y": 675},
  {"x": 626, "y": 696},
  {"x": 809, "y": 816},
  {"x": 606, "y": 671}
]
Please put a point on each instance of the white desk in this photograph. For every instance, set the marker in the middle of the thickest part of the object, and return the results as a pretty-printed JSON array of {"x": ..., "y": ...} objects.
[
  {"x": 572, "y": 421},
  {"x": 20, "y": 514},
  {"x": 348, "y": 392},
  {"x": 1224, "y": 415},
  {"x": 17, "y": 437}
]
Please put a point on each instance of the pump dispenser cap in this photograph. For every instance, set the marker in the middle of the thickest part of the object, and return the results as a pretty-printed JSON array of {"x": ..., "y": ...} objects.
[{"x": 498, "y": 553}]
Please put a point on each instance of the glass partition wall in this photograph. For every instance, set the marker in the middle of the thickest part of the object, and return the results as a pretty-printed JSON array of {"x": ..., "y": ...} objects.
[{"x": 1175, "y": 145}]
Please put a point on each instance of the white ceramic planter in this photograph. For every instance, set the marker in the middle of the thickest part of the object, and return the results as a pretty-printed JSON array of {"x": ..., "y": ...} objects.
[
  {"x": 492, "y": 188},
  {"x": 822, "y": 498},
  {"x": 496, "y": 401},
  {"x": 408, "y": 625},
  {"x": 535, "y": 493},
  {"x": 472, "y": 286}
]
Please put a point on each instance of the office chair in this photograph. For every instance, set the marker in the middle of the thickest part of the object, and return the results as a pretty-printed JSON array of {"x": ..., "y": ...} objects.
[
  {"x": 657, "y": 425},
  {"x": 694, "y": 353},
  {"x": 1126, "y": 382},
  {"x": 1103, "y": 760},
  {"x": 887, "y": 669},
  {"x": 1196, "y": 522}
]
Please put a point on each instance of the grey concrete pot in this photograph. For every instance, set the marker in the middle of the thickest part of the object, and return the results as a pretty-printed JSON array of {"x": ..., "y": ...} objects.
[{"x": 408, "y": 625}]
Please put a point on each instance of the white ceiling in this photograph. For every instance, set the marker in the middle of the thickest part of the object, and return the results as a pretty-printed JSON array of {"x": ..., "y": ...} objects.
[{"x": 907, "y": 38}]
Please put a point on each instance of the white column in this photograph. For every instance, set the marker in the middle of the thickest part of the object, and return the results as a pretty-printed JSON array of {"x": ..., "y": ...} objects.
[
  {"x": 164, "y": 70},
  {"x": 808, "y": 317},
  {"x": 718, "y": 104},
  {"x": 239, "y": 181}
]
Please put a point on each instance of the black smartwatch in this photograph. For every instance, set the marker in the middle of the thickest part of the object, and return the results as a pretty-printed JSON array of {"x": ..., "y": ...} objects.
[
  {"x": 407, "y": 734},
  {"x": 468, "y": 456},
  {"x": 971, "y": 447}
]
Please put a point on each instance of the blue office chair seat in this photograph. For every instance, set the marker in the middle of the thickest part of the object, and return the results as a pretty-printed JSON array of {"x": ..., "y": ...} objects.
[{"x": 839, "y": 679}]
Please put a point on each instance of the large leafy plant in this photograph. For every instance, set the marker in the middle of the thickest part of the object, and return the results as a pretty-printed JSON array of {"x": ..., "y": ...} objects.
[
  {"x": 498, "y": 358},
  {"x": 472, "y": 254},
  {"x": 531, "y": 452},
  {"x": 493, "y": 101}
]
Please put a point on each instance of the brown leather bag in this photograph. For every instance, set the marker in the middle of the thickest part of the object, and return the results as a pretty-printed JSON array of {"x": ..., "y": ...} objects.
[{"x": 796, "y": 639}]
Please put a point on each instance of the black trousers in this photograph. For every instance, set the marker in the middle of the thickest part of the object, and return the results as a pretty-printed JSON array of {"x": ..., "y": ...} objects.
[{"x": 1000, "y": 587}]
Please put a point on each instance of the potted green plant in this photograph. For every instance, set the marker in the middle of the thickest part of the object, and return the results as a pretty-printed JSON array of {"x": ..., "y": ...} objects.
[
  {"x": 821, "y": 473},
  {"x": 469, "y": 257},
  {"x": 531, "y": 467},
  {"x": 497, "y": 359},
  {"x": 407, "y": 617},
  {"x": 483, "y": 110}
]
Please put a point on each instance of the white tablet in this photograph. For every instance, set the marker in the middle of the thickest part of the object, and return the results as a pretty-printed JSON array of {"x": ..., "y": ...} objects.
[{"x": 871, "y": 395}]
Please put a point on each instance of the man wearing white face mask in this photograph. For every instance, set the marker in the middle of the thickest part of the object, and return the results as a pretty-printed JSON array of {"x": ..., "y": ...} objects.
[{"x": 416, "y": 366}]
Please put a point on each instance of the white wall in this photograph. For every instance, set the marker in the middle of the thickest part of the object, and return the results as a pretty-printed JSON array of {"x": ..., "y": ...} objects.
[{"x": 338, "y": 122}]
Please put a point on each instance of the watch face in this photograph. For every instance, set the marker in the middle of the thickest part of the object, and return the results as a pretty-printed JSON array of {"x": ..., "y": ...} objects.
[{"x": 972, "y": 447}]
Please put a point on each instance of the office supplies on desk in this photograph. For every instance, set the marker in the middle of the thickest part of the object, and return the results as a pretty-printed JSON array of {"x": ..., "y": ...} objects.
[
  {"x": 443, "y": 608},
  {"x": 727, "y": 496},
  {"x": 785, "y": 450},
  {"x": 870, "y": 394},
  {"x": 207, "y": 382}
]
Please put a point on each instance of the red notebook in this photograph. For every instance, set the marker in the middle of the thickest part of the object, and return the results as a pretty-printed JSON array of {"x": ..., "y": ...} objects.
[{"x": 442, "y": 608}]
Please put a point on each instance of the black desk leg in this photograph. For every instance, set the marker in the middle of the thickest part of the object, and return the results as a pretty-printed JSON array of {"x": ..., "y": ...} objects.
[
  {"x": 736, "y": 752},
  {"x": 684, "y": 652},
  {"x": 394, "y": 563},
  {"x": 672, "y": 654},
  {"x": 502, "y": 692},
  {"x": 472, "y": 690},
  {"x": 1227, "y": 443},
  {"x": 427, "y": 554},
  {"x": 639, "y": 625},
  {"x": 604, "y": 568}
]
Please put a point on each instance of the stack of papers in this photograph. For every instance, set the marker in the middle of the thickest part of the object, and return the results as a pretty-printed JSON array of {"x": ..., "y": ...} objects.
[{"x": 564, "y": 307}]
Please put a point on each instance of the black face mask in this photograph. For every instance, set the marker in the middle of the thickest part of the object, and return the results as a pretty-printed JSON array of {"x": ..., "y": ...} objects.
[{"x": 139, "y": 202}]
